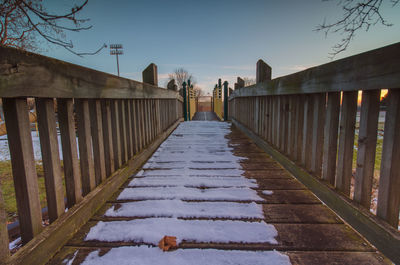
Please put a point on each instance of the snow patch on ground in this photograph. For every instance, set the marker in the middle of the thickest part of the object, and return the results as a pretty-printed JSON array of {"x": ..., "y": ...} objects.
[
  {"x": 267, "y": 192},
  {"x": 185, "y": 193},
  {"x": 152, "y": 230},
  {"x": 178, "y": 208},
  {"x": 144, "y": 255}
]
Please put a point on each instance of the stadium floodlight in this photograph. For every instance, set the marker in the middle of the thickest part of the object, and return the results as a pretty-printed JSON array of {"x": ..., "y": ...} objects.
[{"x": 116, "y": 49}]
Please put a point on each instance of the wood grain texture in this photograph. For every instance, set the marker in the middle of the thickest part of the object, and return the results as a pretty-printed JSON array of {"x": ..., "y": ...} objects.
[
  {"x": 330, "y": 137},
  {"x": 370, "y": 70},
  {"x": 72, "y": 171},
  {"x": 107, "y": 135},
  {"x": 50, "y": 157},
  {"x": 318, "y": 133},
  {"x": 85, "y": 146},
  {"x": 25, "y": 74},
  {"x": 116, "y": 137},
  {"x": 4, "y": 248},
  {"x": 96, "y": 128},
  {"x": 366, "y": 147},
  {"x": 389, "y": 182},
  {"x": 346, "y": 141},
  {"x": 23, "y": 167}
]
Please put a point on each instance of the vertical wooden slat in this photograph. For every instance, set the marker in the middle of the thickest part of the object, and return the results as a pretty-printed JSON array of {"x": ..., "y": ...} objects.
[
  {"x": 299, "y": 127},
  {"x": 85, "y": 146},
  {"x": 318, "y": 133},
  {"x": 292, "y": 127},
  {"x": 116, "y": 137},
  {"x": 50, "y": 157},
  {"x": 142, "y": 123},
  {"x": 307, "y": 131},
  {"x": 107, "y": 137},
  {"x": 330, "y": 137},
  {"x": 270, "y": 119},
  {"x": 4, "y": 243},
  {"x": 285, "y": 123},
  {"x": 366, "y": 147},
  {"x": 346, "y": 141},
  {"x": 23, "y": 167},
  {"x": 138, "y": 133},
  {"x": 72, "y": 171},
  {"x": 131, "y": 129},
  {"x": 128, "y": 129},
  {"x": 122, "y": 131},
  {"x": 96, "y": 127},
  {"x": 389, "y": 182}
]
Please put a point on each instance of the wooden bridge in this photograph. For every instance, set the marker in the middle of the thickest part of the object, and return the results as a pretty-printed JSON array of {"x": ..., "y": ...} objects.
[{"x": 274, "y": 185}]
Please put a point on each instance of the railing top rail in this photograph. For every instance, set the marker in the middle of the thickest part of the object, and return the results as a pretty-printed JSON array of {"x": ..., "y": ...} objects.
[
  {"x": 25, "y": 74},
  {"x": 376, "y": 69}
]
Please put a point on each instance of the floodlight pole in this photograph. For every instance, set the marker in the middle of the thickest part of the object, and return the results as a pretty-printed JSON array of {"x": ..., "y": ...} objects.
[
  {"x": 116, "y": 49},
  {"x": 117, "y": 64}
]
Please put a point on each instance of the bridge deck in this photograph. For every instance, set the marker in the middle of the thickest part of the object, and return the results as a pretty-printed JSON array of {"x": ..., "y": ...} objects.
[{"x": 216, "y": 191}]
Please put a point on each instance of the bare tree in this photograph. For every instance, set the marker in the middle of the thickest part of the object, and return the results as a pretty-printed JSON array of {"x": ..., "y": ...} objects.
[
  {"x": 181, "y": 75},
  {"x": 25, "y": 24},
  {"x": 357, "y": 14},
  {"x": 248, "y": 81},
  {"x": 198, "y": 92}
]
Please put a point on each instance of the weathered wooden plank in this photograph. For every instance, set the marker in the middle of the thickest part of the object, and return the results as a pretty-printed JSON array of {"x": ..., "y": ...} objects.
[
  {"x": 129, "y": 130},
  {"x": 346, "y": 141},
  {"x": 122, "y": 130},
  {"x": 318, "y": 133},
  {"x": 366, "y": 147},
  {"x": 299, "y": 127},
  {"x": 307, "y": 132},
  {"x": 330, "y": 137},
  {"x": 389, "y": 182},
  {"x": 116, "y": 137},
  {"x": 291, "y": 147},
  {"x": 107, "y": 137},
  {"x": 85, "y": 146},
  {"x": 72, "y": 171},
  {"x": 23, "y": 167},
  {"x": 25, "y": 74},
  {"x": 139, "y": 120},
  {"x": 135, "y": 117},
  {"x": 4, "y": 251},
  {"x": 50, "y": 157},
  {"x": 96, "y": 128},
  {"x": 370, "y": 70}
]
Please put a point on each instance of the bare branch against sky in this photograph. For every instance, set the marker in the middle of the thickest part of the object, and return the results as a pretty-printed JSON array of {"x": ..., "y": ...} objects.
[
  {"x": 26, "y": 24},
  {"x": 357, "y": 15}
]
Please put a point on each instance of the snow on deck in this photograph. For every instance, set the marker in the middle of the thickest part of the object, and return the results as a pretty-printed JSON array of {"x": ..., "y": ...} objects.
[{"x": 193, "y": 174}]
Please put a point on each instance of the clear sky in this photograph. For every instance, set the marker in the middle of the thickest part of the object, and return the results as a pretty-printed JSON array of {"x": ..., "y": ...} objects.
[{"x": 215, "y": 39}]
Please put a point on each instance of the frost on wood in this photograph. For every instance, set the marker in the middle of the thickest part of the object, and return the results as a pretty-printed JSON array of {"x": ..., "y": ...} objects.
[{"x": 193, "y": 174}]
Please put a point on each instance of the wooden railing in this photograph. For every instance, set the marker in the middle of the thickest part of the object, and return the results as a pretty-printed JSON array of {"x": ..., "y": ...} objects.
[
  {"x": 115, "y": 119},
  {"x": 309, "y": 118}
]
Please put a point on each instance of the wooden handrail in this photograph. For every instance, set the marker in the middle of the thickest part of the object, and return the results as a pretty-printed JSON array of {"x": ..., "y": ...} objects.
[
  {"x": 370, "y": 70},
  {"x": 25, "y": 74},
  {"x": 115, "y": 120},
  {"x": 310, "y": 117}
]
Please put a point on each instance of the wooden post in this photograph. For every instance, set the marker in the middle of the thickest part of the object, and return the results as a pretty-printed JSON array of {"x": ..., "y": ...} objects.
[
  {"x": 23, "y": 167},
  {"x": 72, "y": 171},
  {"x": 330, "y": 137},
  {"x": 129, "y": 131},
  {"x": 263, "y": 72},
  {"x": 107, "y": 137},
  {"x": 149, "y": 75},
  {"x": 346, "y": 141},
  {"x": 85, "y": 146},
  {"x": 389, "y": 182},
  {"x": 240, "y": 82},
  {"x": 50, "y": 157},
  {"x": 96, "y": 127},
  {"x": 366, "y": 147}
]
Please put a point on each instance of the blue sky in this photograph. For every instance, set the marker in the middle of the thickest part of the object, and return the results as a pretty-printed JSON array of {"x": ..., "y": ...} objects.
[{"x": 215, "y": 39}]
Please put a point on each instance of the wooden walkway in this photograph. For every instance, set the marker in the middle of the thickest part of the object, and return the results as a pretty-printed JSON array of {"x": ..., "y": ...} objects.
[{"x": 307, "y": 231}]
